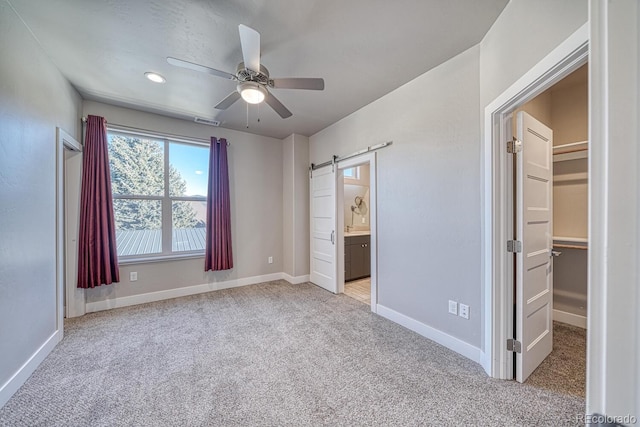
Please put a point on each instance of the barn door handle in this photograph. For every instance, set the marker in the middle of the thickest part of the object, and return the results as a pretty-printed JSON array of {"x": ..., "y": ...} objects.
[{"x": 333, "y": 237}]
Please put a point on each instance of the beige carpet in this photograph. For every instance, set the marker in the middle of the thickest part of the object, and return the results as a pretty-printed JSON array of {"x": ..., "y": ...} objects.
[
  {"x": 565, "y": 369},
  {"x": 272, "y": 354}
]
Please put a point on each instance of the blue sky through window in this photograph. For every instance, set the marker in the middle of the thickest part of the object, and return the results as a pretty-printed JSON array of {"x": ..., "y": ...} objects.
[{"x": 192, "y": 161}]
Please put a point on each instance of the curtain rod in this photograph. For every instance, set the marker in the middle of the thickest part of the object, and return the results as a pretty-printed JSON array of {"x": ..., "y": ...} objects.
[
  {"x": 155, "y": 133},
  {"x": 337, "y": 159}
]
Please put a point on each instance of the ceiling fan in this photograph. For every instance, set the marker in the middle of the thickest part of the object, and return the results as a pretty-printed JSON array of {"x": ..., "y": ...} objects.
[{"x": 252, "y": 77}]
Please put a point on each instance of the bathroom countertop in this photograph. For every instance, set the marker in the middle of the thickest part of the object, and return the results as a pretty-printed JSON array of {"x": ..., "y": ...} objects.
[{"x": 357, "y": 233}]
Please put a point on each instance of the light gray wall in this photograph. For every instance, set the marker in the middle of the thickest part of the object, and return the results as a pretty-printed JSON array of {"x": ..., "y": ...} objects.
[
  {"x": 524, "y": 33},
  {"x": 288, "y": 205},
  {"x": 34, "y": 99},
  {"x": 301, "y": 236},
  {"x": 428, "y": 192},
  {"x": 256, "y": 185},
  {"x": 295, "y": 200}
]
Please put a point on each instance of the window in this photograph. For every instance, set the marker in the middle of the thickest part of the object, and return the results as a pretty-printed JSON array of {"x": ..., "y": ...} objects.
[
  {"x": 353, "y": 173},
  {"x": 159, "y": 190}
]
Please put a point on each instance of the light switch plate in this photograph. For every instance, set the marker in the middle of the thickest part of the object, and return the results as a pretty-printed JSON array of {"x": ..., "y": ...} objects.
[{"x": 453, "y": 307}]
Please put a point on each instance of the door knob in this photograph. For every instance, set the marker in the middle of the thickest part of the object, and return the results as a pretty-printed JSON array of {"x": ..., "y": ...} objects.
[{"x": 556, "y": 253}]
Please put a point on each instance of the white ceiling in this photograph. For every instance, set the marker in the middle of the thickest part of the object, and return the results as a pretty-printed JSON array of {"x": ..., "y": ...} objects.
[{"x": 363, "y": 49}]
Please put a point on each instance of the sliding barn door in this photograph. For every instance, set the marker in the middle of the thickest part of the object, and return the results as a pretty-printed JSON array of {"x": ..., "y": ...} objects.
[{"x": 323, "y": 229}]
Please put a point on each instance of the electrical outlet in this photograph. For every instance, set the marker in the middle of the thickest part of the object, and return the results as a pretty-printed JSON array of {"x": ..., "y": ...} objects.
[
  {"x": 133, "y": 276},
  {"x": 464, "y": 311},
  {"x": 453, "y": 307},
  {"x": 270, "y": 259}
]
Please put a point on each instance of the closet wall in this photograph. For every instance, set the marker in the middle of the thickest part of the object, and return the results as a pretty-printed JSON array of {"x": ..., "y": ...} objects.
[{"x": 564, "y": 108}]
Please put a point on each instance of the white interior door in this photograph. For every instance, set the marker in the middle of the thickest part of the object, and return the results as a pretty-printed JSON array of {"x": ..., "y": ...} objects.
[
  {"x": 323, "y": 229},
  {"x": 75, "y": 297},
  {"x": 534, "y": 228}
]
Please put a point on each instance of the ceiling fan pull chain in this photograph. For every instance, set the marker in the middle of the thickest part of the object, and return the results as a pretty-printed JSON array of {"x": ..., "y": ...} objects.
[
  {"x": 258, "y": 113},
  {"x": 247, "y": 115}
]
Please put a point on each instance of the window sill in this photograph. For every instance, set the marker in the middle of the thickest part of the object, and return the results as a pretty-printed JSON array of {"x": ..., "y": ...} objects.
[{"x": 159, "y": 258}]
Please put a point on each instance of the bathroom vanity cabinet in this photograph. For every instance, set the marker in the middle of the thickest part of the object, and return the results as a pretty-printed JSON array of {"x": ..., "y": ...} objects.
[{"x": 357, "y": 257}]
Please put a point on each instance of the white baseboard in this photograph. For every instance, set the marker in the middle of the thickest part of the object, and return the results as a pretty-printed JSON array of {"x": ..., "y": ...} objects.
[
  {"x": 452, "y": 343},
  {"x": 570, "y": 318},
  {"x": 22, "y": 375},
  {"x": 178, "y": 292},
  {"x": 295, "y": 280}
]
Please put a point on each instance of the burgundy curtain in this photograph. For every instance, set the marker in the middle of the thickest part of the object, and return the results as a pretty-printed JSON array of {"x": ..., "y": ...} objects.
[
  {"x": 97, "y": 256},
  {"x": 218, "y": 254}
]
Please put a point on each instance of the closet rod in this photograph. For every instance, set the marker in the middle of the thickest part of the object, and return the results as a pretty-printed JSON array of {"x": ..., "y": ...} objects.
[
  {"x": 575, "y": 150},
  {"x": 563, "y": 246},
  {"x": 571, "y": 147}
]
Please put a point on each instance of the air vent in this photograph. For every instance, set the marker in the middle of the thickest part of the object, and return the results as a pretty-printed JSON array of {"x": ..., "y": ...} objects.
[{"x": 206, "y": 122}]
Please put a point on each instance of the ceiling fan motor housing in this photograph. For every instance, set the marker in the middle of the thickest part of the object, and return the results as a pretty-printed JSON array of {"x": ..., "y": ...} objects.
[{"x": 245, "y": 75}]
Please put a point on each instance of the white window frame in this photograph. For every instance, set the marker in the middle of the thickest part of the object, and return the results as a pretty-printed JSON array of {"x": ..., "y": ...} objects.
[{"x": 166, "y": 200}]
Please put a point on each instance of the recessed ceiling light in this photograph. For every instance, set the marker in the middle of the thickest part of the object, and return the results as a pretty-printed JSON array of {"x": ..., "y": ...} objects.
[{"x": 155, "y": 77}]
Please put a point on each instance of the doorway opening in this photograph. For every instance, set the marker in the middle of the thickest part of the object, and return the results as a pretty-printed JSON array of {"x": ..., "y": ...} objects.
[
  {"x": 562, "y": 113},
  {"x": 328, "y": 225},
  {"x": 356, "y": 200},
  {"x": 356, "y": 224},
  {"x": 71, "y": 300},
  {"x": 499, "y": 346}
]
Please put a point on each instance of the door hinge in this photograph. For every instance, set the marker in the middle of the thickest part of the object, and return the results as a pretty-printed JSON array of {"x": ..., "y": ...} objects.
[
  {"x": 514, "y": 246},
  {"x": 513, "y": 345},
  {"x": 514, "y": 146}
]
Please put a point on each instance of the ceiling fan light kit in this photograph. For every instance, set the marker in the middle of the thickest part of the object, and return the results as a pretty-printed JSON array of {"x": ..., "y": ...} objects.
[
  {"x": 252, "y": 77},
  {"x": 252, "y": 92}
]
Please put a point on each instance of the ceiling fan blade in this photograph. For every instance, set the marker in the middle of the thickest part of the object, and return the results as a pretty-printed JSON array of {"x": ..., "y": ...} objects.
[
  {"x": 228, "y": 101},
  {"x": 250, "y": 42},
  {"x": 277, "y": 106},
  {"x": 298, "y": 83},
  {"x": 201, "y": 68}
]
